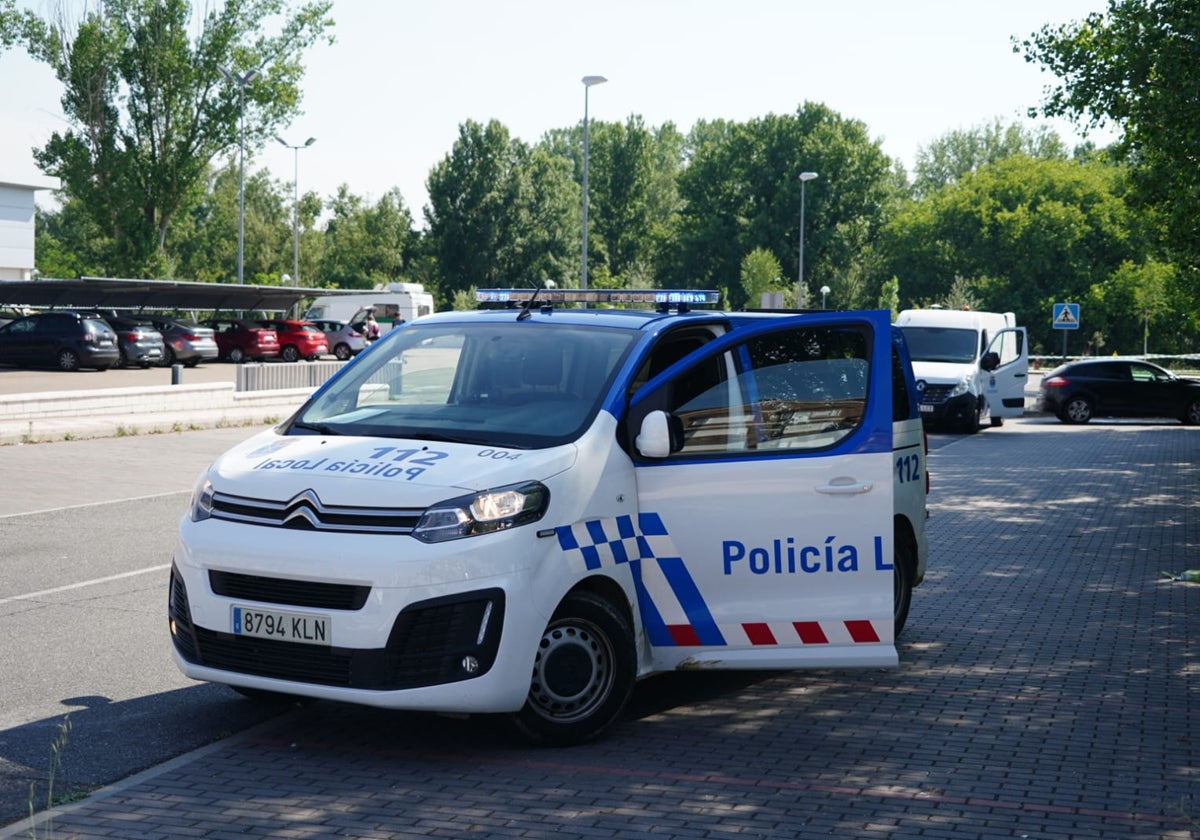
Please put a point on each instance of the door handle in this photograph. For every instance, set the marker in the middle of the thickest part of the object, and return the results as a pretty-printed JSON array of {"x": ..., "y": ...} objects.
[{"x": 844, "y": 485}]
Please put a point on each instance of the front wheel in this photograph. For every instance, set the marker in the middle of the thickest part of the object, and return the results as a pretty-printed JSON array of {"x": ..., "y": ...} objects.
[
  {"x": 1191, "y": 415},
  {"x": 1077, "y": 410},
  {"x": 904, "y": 563},
  {"x": 583, "y": 673},
  {"x": 237, "y": 355}
]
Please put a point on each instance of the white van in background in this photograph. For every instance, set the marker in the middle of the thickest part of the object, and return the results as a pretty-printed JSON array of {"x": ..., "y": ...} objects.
[
  {"x": 971, "y": 367},
  {"x": 392, "y": 305}
]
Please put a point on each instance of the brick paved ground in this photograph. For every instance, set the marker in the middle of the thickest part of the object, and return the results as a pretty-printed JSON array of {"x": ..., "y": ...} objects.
[{"x": 1048, "y": 688}]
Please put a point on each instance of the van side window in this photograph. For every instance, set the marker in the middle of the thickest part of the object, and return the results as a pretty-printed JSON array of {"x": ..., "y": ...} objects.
[{"x": 798, "y": 389}]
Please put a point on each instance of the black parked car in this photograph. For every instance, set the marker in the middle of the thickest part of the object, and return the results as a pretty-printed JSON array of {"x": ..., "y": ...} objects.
[
  {"x": 1078, "y": 391},
  {"x": 138, "y": 342},
  {"x": 65, "y": 340}
]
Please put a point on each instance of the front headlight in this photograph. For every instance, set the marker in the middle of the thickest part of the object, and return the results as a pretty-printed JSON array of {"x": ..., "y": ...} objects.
[
  {"x": 202, "y": 499},
  {"x": 963, "y": 387},
  {"x": 483, "y": 513}
]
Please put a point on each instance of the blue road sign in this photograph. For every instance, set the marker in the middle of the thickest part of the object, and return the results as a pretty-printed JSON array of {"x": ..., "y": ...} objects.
[{"x": 1066, "y": 316}]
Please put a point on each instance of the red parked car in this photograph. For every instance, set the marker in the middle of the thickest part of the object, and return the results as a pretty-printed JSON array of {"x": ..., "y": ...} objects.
[
  {"x": 239, "y": 339},
  {"x": 298, "y": 339}
]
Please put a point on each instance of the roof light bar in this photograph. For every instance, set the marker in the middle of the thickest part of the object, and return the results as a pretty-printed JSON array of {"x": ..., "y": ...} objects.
[{"x": 658, "y": 297}]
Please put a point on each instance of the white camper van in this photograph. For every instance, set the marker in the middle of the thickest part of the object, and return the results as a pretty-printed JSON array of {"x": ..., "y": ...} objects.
[
  {"x": 971, "y": 367},
  {"x": 395, "y": 304}
]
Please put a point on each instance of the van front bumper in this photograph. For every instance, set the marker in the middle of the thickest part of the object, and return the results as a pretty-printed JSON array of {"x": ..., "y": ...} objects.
[{"x": 956, "y": 411}]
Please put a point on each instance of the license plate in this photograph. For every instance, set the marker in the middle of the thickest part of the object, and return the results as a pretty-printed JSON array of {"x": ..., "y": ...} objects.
[
  {"x": 279, "y": 625},
  {"x": 926, "y": 409}
]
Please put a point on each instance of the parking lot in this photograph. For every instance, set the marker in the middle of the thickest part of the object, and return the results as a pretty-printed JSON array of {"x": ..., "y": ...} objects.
[{"x": 1047, "y": 688}]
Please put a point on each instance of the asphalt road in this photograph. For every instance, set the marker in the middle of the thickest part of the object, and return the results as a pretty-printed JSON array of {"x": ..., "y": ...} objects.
[{"x": 87, "y": 529}]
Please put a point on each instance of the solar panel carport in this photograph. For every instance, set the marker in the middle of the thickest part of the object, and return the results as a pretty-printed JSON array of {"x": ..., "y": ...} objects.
[{"x": 169, "y": 295}]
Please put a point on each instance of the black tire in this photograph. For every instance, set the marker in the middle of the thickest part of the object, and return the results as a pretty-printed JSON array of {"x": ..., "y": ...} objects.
[
  {"x": 237, "y": 355},
  {"x": 67, "y": 359},
  {"x": 342, "y": 352},
  {"x": 1191, "y": 414},
  {"x": 290, "y": 353},
  {"x": 975, "y": 422},
  {"x": 904, "y": 566},
  {"x": 1076, "y": 411},
  {"x": 191, "y": 363},
  {"x": 168, "y": 357},
  {"x": 122, "y": 359},
  {"x": 997, "y": 422},
  {"x": 583, "y": 673}
]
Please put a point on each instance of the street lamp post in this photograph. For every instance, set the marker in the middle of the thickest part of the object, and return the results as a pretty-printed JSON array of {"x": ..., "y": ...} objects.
[
  {"x": 824, "y": 291},
  {"x": 296, "y": 202},
  {"x": 588, "y": 81},
  {"x": 805, "y": 177},
  {"x": 242, "y": 79}
]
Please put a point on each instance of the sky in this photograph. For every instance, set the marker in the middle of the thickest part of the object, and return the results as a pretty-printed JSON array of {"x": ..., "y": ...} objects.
[{"x": 385, "y": 102}]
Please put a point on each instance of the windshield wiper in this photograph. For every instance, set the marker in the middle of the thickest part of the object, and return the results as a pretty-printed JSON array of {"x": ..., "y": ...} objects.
[{"x": 320, "y": 428}]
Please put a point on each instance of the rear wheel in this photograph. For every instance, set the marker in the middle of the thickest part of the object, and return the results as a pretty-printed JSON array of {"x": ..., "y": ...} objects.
[
  {"x": 1076, "y": 410},
  {"x": 583, "y": 673},
  {"x": 122, "y": 359},
  {"x": 290, "y": 353},
  {"x": 68, "y": 360},
  {"x": 168, "y": 357},
  {"x": 342, "y": 352},
  {"x": 237, "y": 355}
]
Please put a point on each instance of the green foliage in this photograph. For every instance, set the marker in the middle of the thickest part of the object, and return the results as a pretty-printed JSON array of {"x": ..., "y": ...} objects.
[
  {"x": 364, "y": 246},
  {"x": 889, "y": 296},
  {"x": 741, "y": 190},
  {"x": 1025, "y": 232},
  {"x": 760, "y": 273},
  {"x": 500, "y": 214},
  {"x": 956, "y": 153},
  {"x": 147, "y": 107},
  {"x": 1136, "y": 66}
]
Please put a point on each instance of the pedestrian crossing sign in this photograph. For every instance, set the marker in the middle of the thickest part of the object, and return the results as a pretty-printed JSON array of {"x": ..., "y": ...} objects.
[{"x": 1066, "y": 316}]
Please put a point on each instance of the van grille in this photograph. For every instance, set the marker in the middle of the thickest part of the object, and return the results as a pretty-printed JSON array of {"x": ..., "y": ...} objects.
[{"x": 306, "y": 512}]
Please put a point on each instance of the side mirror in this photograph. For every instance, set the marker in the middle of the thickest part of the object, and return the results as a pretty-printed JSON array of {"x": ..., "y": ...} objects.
[
  {"x": 660, "y": 435},
  {"x": 990, "y": 361}
]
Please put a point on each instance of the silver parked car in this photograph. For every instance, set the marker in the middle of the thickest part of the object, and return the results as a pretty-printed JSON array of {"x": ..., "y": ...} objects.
[
  {"x": 186, "y": 343},
  {"x": 345, "y": 341}
]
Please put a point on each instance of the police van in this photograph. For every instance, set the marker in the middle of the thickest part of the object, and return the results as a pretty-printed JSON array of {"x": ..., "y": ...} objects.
[{"x": 525, "y": 509}]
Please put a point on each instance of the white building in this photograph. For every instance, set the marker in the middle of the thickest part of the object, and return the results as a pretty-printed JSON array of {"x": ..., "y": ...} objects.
[{"x": 16, "y": 226}]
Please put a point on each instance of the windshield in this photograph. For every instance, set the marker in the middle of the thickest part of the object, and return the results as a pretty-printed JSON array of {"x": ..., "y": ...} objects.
[
  {"x": 516, "y": 384},
  {"x": 941, "y": 344}
]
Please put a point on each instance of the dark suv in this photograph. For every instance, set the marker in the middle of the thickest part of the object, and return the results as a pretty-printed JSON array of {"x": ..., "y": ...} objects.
[{"x": 66, "y": 340}]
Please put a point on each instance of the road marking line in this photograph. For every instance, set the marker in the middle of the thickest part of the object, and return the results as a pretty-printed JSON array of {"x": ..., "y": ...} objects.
[{"x": 82, "y": 584}]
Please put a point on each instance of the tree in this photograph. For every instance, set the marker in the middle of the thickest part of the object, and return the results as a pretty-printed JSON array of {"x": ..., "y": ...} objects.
[
  {"x": 1136, "y": 66},
  {"x": 1023, "y": 232},
  {"x": 956, "y": 153},
  {"x": 365, "y": 246},
  {"x": 760, "y": 273},
  {"x": 501, "y": 214},
  {"x": 148, "y": 108},
  {"x": 741, "y": 190}
]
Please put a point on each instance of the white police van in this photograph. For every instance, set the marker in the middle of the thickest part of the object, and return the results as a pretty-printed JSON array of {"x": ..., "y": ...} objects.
[{"x": 525, "y": 510}]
